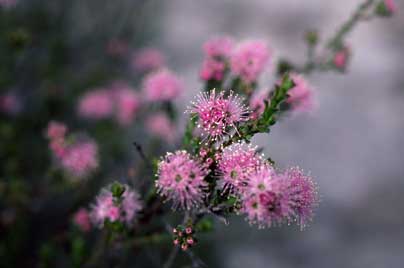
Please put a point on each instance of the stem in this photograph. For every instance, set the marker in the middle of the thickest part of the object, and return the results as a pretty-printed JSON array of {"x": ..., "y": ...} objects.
[{"x": 357, "y": 16}]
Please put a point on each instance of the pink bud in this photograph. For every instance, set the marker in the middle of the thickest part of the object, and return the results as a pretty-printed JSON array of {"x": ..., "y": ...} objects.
[
  {"x": 190, "y": 241},
  {"x": 184, "y": 247},
  {"x": 209, "y": 161},
  {"x": 175, "y": 230},
  {"x": 203, "y": 152},
  {"x": 176, "y": 241},
  {"x": 188, "y": 230}
]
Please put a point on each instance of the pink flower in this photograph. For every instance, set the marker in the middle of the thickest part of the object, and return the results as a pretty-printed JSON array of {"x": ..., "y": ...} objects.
[
  {"x": 218, "y": 47},
  {"x": 107, "y": 207},
  {"x": 117, "y": 47},
  {"x": 10, "y": 104},
  {"x": 96, "y": 104},
  {"x": 262, "y": 201},
  {"x": 272, "y": 199},
  {"x": 249, "y": 60},
  {"x": 162, "y": 85},
  {"x": 218, "y": 115},
  {"x": 131, "y": 205},
  {"x": 82, "y": 219},
  {"x": 390, "y": 5},
  {"x": 8, "y": 3},
  {"x": 257, "y": 103},
  {"x": 159, "y": 125},
  {"x": 56, "y": 130},
  {"x": 301, "y": 96},
  {"x": 234, "y": 166},
  {"x": 127, "y": 103},
  {"x": 301, "y": 194},
  {"x": 341, "y": 58},
  {"x": 148, "y": 59},
  {"x": 212, "y": 69},
  {"x": 80, "y": 158},
  {"x": 181, "y": 180}
]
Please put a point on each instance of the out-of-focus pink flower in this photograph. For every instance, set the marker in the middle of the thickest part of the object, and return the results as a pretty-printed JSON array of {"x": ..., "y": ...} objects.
[
  {"x": 8, "y": 3},
  {"x": 96, "y": 104},
  {"x": 212, "y": 69},
  {"x": 82, "y": 219},
  {"x": 148, "y": 59},
  {"x": 159, "y": 125},
  {"x": 181, "y": 180},
  {"x": 234, "y": 166},
  {"x": 10, "y": 104},
  {"x": 162, "y": 85},
  {"x": 257, "y": 104},
  {"x": 80, "y": 158},
  {"x": 127, "y": 103},
  {"x": 106, "y": 208},
  {"x": 249, "y": 59},
  {"x": 341, "y": 58},
  {"x": 390, "y": 5},
  {"x": 117, "y": 47},
  {"x": 221, "y": 46},
  {"x": 301, "y": 96},
  {"x": 56, "y": 130},
  {"x": 58, "y": 146},
  {"x": 217, "y": 114}
]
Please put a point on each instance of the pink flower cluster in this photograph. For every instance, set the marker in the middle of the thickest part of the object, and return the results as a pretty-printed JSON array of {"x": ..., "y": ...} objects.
[
  {"x": 249, "y": 59},
  {"x": 274, "y": 198},
  {"x": 82, "y": 220},
  {"x": 301, "y": 96},
  {"x": 390, "y": 5},
  {"x": 217, "y": 51},
  {"x": 147, "y": 59},
  {"x": 162, "y": 85},
  {"x": 234, "y": 165},
  {"x": 112, "y": 209},
  {"x": 8, "y": 3},
  {"x": 10, "y": 104},
  {"x": 79, "y": 157},
  {"x": 181, "y": 180},
  {"x": 160, "y": 126},
  {"x": 218, "y": 115},
  {"x": 119, "y": 101}
]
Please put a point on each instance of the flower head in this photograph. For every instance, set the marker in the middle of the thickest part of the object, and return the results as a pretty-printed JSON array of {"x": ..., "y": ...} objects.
[
  {"x": 159, "y": 125},
  {"x": 301, "y": 194},
  {"x": 212, "y": 69},
  {"x": 181, "y": 180},
  {"x": 272, "y": 199},
  {"x": 236, "y": 162},
  {"x": 96, "y": 104},
  {"x": 249, "y": 59},
  {"x": 162, "y": 85},
  {"x": 82, "y": 219},
  {"x": 56, "y": 130},
  {"x": 220, "y": 46},
  {"x": 10, "y": 103},
  {"x": 80, "y": 158},
  {"x": 127, "y": 103},
  {"x": 148, "y": 59},
  {"x": 108, "y": 207},
  {"x": 390, "y": 5},
  {"x": 217, "y": 114},
  {"x": 301, "y": 96}
]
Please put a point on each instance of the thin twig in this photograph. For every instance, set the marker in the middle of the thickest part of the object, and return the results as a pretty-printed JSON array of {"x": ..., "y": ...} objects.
[{"x": 142, "y": 155}]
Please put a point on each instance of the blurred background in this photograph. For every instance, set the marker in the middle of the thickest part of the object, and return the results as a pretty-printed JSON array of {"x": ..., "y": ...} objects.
[{"x": 352, "y": 144}]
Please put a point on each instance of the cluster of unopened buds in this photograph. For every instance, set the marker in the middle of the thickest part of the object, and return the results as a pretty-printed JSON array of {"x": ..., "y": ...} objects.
[{"x": 184, "y": 237}]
